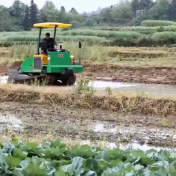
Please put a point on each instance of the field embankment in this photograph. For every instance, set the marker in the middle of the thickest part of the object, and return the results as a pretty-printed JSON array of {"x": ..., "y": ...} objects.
[{"x": 86, "y": 98}]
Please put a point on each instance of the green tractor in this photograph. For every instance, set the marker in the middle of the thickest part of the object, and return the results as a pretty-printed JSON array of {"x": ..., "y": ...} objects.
[{"x": 58, "y": 65}]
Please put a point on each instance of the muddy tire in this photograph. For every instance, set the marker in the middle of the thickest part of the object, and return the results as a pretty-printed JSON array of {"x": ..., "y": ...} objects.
[
  {"x": 71, "y": 80},
  {"x": 51, "y": 80}
]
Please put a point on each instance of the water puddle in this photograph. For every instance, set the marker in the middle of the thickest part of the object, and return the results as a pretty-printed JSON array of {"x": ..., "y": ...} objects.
[
  {"x": 10, "y": 122},
  {"x": 122, "y": 146},
  {"x": 3, "y": 79},
  {"x": 102, "y": 128},
  {"x": 150, "y": 89},
  {"x": 135, "y": 134},
  {"x": 112, "y": 85}
]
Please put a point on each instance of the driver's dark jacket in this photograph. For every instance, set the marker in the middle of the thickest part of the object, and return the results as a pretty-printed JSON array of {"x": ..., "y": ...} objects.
[{"x": 47, "y": 44}]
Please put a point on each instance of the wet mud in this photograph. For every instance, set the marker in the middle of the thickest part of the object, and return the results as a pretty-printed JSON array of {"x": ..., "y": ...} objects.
[
  {"x": 150, "y": 75},
  {"x": 95, "y": 125}
]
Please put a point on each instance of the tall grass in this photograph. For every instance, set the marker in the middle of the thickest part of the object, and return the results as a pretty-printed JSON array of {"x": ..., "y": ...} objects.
[
  {"x": 22, "y": 51},
  {"x": 87, "y": 53}
]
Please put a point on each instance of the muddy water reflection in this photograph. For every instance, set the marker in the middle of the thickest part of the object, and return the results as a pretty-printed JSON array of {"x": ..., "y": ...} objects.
[
  {"x": 9, "y": 122},
  {"x": 124, "y": 146},
  {"x": 154, "y": 89},
  {"x": 3, "y": 79}
]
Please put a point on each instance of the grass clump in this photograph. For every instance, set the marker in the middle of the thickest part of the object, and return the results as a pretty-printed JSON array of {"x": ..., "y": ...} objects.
[
  {"x": 84, "y": 88},
  {"x": 108, "y": 90},
  {"x": 87, "y": 53},
  {"x": 22, "y": 51}
]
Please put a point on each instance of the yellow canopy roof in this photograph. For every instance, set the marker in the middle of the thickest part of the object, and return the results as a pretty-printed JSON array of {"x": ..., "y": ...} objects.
[{"x": 52, "y": 25}]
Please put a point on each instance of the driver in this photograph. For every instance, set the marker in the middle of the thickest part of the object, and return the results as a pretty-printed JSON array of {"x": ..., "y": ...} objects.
[{"x": 48, "y": 43}]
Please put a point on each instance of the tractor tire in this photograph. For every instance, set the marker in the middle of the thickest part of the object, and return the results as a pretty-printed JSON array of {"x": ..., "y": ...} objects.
[
  {"x": 51, "y": 79},
  {"x": 64, "y": 82},
  {"x": 71, "y": 80}
]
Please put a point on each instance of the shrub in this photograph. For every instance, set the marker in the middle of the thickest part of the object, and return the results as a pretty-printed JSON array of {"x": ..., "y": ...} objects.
[
  {"x": 145, "y": 41},
  {"x": 160, "y": 29},
  {"x": 85, "y": 89},
  {"x": 163, "y": 38},
  {"x": 126, "y": 39}
]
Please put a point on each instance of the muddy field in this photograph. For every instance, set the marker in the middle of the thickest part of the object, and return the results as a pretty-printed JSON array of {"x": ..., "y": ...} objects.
[
  {"x": 149, "y": 75},
  {"x": 40, "y": 122},
  {"x": 37, "y": 122}
]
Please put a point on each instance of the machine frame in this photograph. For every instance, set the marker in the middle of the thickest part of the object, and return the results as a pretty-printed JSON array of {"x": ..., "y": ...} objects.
[{"x": 55, "y": 65}]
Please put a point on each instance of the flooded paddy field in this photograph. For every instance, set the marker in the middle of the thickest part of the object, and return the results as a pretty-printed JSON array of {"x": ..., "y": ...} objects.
[
  {"x": 41, "y": 122},
  {"x": 95, "y": 126}
]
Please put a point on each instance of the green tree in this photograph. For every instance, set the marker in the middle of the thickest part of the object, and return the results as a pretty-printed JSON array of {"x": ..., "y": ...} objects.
[
  {"x": 172, "y": 11},
  {"x": 122, "y": 13},
  {"x": 5, "y": 20},
  {"x": 160, "y": 10},
  {"x": 34, "y": 13},
  {"x": 26, "y": 21},
  {"x": 17, "y": 13},
  {"x": 62, "y": 15},
  {"x": 73, "y": 10},
  {"x": 49, "y": 12},
  {"x": 17, "y": 9},
  {"x": 146, "y": 4}
]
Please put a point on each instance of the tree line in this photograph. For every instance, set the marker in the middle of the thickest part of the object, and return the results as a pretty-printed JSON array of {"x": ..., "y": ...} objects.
[{"x": 21, "y": 17}]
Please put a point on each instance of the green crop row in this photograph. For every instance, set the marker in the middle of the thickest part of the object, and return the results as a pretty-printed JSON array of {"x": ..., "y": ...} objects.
[
  {"x": 56, "y": 159},
  {"x": 120, "y": 38},
  {"x": 141, "y": 29},
  {"x": 154, "y": 23},
  {"x": 72, "y": 33},
  {"x": 26, "y": 39}
]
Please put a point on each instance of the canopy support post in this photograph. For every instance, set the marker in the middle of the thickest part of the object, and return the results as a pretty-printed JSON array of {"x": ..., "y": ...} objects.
[
  {"x": 38, "y": 48},
  {"x": 55, "y": 32}
]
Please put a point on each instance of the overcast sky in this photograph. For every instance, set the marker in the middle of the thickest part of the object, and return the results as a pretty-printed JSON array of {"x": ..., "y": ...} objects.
[{"x": 80, "y": 5}]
